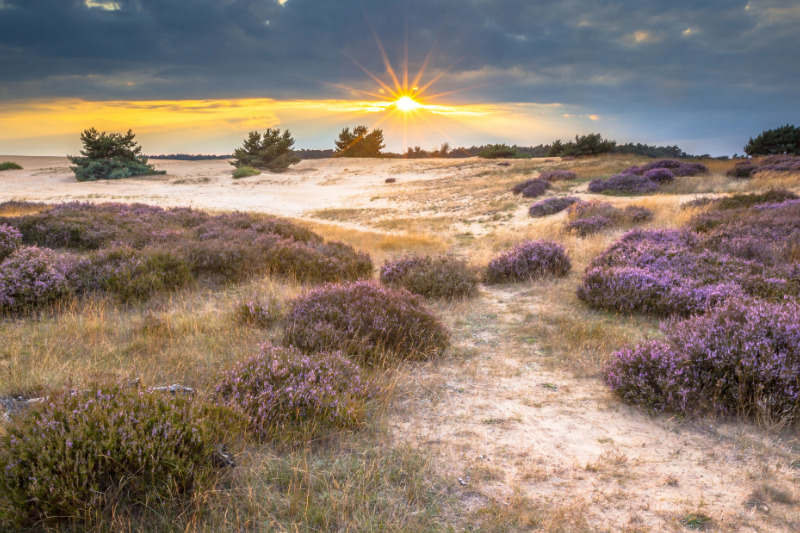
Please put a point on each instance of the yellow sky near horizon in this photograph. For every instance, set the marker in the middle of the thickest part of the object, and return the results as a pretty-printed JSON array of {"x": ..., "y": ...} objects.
[{"x": 39, "y": 127}]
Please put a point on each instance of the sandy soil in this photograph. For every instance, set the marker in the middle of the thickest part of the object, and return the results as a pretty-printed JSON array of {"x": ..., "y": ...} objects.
[
  {"x": 503, "y": 426},
  {"x": 308, "y": 186}
]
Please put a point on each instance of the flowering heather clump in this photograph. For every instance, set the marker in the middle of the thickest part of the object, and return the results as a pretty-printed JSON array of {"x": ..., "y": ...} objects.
[
  {"x": 259, "y": 312},
  {"x": 595, "y": 208},
  {"x": 659, "y": 175},
  {"x": 742, "y": 170},
  {"x": 780, "y": 163},
  {"x": 662, "y": 163},
  {"x": 741, "y": 358},
  {"x": 10, "y": 240},
  {"x": 529, "y": 261},
  {"x": 720, "y": 255},
  {"x": 364, "y": 319},
  {"x": 690, "y": 169},
  {"x": 29, "y": 278},
  {"x": 433, "y": 277},
  {"x": 637, "y": 214},
  {"x": 588, "y": 226},
  {"x": 558, "y": 175},
  {"x": 623, "y": 183},
  {"x": 551, "y": 206},
  {"x": 676, "y": 168},
  {"x": 531, "y": 188},
  {"x": 319, "y": 263},
  {"x": 79, "y": 453},
  {"x": 283, "y": 390}
]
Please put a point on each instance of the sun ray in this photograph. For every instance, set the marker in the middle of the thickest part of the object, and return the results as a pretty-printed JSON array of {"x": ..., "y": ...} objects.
[{"x": 382, "y": 51}]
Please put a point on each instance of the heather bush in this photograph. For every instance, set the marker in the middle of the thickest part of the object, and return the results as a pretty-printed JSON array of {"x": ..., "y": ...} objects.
[
  {"x": 10, "y": 165},
  {"x": 632, "y": 214},
  {"x": 690, "y": 169},
  {"x": 588, "y": 226},
  {"x": 78, "y": 454},
  {"x": 529, "y": 261},
  {"x": 319, "y": 263},
  {"x": 742, "y": 358},
  {"x": 244, "y": 172},
  {"x": 364, "y": 319},
  {"x": 659, "y": 175},
  {"x": 637, "y": 214},
  {"x": 551, "y": 206},
  {"x": 675, "y": 168},
  {"x": 133, "y": 275},
  {"x": 10, "y": 240},
  {"x": 742, "y": 170},
  {"x": 780, "y": 163},
  {"x": 259, "y": 312},
  {"x": 661, "y": 163},
  {"x": 623, "y": 183},
  {"x": 531, "y": 188},
  {"x": 772, "y": 196},
  {"x": 30, "y": 278},
  {"x": 558, "y": 175},
  {"x": 284, "y": 391},
  {"x": 433, "y": 277}
]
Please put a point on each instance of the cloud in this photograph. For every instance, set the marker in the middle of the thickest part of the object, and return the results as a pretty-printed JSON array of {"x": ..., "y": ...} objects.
[{"x": 733, "y": 60}]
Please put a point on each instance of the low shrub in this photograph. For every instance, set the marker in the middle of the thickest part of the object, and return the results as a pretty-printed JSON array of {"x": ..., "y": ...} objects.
[
  {"x": 78, "y": 454},
  {"x": 10, "y": 165},
  {"x": 558, "y": 175},
  {"x": 245, "y": 172},
  {"x": 661, "y": 163},
  {"x": 30, "y": 278},
  {"x": 588, "y": 226},
  {"x": 780, "y": 163},
  {"x": 390, "y": 180},
  {"x": 531, "y": 188},
  {"x": 659, "y": 175},
  {"x": 433, "y": 277},
  {"x": 676, "y": 168},
  {"x": 284, "y": 391},
  {"x": 364, "y": 319},
  {"x": 319, "y": 263},
  {"x": 10, "y": 240},
  {"x": 133, "y": 275},
  {"x": 772, "y": 196},
  {"x": 631, "y": 214},
  {"x": 742, "y": 170},
  {"x": 690, "y": 169},
  {"x": 551, "y": 206},
  {"x": 623, "y": 183},
  {"x": 259, "y": 312},
  {"x": 637, "y": 214},
  {"x": 529, "y": 261},
  {"x": 742, "y": 358}
]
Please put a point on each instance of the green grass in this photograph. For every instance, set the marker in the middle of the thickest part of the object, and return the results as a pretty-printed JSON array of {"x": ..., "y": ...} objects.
[{"x": 244, "y": 172}]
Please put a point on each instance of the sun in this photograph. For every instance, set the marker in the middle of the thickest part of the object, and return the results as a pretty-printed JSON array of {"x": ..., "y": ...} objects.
[{"x": 406, "y": 104}]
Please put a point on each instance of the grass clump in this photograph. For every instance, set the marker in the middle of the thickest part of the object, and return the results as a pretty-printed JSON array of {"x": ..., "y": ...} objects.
[
  {"x": 10, "y": 165},
  {"x": 245, "y": 172},
  {"x": 433, "y": 277},
  {"x": 80, "y": 454},
  {"x": 259, "y": 312},
  {"x": 772, "y": 196},
  {"x": 529, "y": 261},
  {"x": 286, "y": 392},
  {"x": 741, "y": 358},
  {"x": 364, "y": 319}
]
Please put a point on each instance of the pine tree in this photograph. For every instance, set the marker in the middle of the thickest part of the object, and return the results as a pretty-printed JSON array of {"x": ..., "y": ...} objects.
[
  {"x": 359, "y": 143},
  {"x": 272, "y": 151},
  {"x": 783, "y": 140},
  {"x": 109, "y": 156}
]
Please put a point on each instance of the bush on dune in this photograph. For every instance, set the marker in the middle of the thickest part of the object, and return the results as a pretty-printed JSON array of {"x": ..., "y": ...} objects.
[
  {"x": 10, "y": 165},
  {"x": 592, "y": 216},
  {"x": 558, "y": 175},
  {"x": 624, "y": 184},
  {"x": 284, "y": 392},
  {"x": 529, "y": 260},
  {"x": 80, "y": 454},
  {"x": 31, "y": 278},
  {"x": 551, "y": 206},
  {"x": 364, "y": 319},
  {"x": 742, "y": 358},
  {"x": 531, "y": 188},
  {"x": 433, "y": 277}
]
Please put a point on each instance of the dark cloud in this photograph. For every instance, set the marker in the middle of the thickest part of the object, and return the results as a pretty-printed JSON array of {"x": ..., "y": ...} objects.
[{"x": 733, "y": 61}]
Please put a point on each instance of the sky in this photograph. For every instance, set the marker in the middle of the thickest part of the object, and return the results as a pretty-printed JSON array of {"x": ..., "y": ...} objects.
[{"x": 194, "y": 76}]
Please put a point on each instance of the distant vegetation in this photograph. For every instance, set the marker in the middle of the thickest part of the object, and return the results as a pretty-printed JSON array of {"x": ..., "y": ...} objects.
[
  {"x": 10, "y": 165},
  {"x": 271, "y": 151},
  {"x": 244, "y": 172},
  {"x": 110, "y": 156},
  {"x": 783, "y": 140},
  {"x": 191, "y": 157},
  {"x": 359, "y": 143}
]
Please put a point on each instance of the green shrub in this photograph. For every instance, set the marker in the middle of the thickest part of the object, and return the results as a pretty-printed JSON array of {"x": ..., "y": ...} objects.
[
  {"x": 497, "y": 151},
  {"x": 80, "y": 454},
  {"x": 245, "y": 172},
  {"x": 284, "y": 392},
  {"x": 359, "y": 143},
  {"x": 10, "y": 165},
  {"x": 110, "y": 156},
  {"x": 272, "y": 151},
  {"x": 584, "y": 145},
  {"x": 364, "y": 319}
]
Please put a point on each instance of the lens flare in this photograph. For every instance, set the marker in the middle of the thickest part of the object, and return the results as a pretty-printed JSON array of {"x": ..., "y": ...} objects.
[{"x": 406, "y": 104}]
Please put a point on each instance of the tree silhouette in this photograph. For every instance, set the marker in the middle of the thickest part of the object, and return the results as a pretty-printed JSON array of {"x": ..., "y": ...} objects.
[{"x": 359, "y": 143}]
